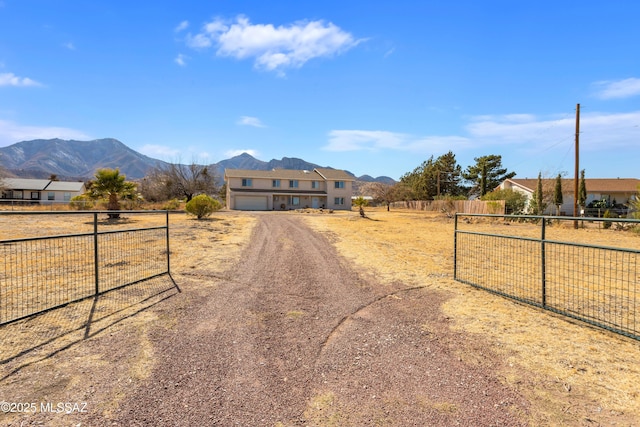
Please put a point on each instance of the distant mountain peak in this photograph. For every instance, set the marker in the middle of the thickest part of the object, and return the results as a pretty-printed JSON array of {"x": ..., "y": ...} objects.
[{"x": 71, "y": 159}]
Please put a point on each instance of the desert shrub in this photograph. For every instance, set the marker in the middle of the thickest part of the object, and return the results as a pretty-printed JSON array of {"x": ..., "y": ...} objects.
[
  {"x": 514, "y": 202},
  {"x": 201, "y": 206},
  {"x": 82, "y": 202},
  {"x": 606, "y": 224},
  {"x": 171, "y": 205}
]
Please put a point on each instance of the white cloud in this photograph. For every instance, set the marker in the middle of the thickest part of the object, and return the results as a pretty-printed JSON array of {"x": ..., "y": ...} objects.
[
  {"x": 617, "y": 89},
  {"x": 181, "y": 26},
  {"x": 69, "y": 46},
  {"x": 233, "y": 153},
  {"x": 273, "y": 48},
  {"x": 159, "y": 151},
  {"x": 199, "y": 41},
  {"x": 11, "y": 132},
  {"x": 597, "y": 130},
  {"x": 364, "y": 140},
  {"x": 250, "y": 121},
  {"x": 10, "y": 79},
  {"x": 180, "y": 60}
]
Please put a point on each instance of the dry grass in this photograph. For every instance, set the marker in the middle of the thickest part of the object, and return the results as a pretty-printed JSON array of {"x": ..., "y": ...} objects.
[
  {"x": 41, "y": 359},
  {"x": 572, "y": 373}
]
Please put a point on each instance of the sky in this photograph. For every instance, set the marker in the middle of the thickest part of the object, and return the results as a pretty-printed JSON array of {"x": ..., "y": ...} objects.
[{"x": 373, "y": 87}]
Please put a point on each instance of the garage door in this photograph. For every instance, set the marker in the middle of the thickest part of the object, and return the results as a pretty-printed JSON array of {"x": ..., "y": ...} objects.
[{"x": 251, "y": 203}]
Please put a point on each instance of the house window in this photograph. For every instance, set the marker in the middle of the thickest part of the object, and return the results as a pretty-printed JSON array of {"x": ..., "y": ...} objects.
[
  {"x": 17, "y": 194},
  {"x": 294, "y": 200},
  {"x": 338, "y": 201},
  {"x": 246, "y": 182},
  {"x": 51, "y": 195},
  {"x": 339, "y": 184},
  {"x": 315, "y": 184},
  {"x": 293, "y": 183},
  {"x": 35, "y": 195},
  {"x": 67, "y": 197},
  {"x": 276, "y": 183}
]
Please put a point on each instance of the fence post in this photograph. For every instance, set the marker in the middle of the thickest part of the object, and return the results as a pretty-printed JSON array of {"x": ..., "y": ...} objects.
[
  {"x": 168, "y": 252},
  {"x": 455, "y": 246},
  {"x": 95, "y": 250},
  {"x": 543, "y": 257}
]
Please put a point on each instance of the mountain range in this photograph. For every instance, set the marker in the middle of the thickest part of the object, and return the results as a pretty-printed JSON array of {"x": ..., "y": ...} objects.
[{"x": 79, "y": 160}]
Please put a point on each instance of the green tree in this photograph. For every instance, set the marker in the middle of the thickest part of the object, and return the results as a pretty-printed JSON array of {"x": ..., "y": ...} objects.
[
  {"x": 112, "y": 185},
  {"x": 514, "y": 201},
  {"x": 434, "y": 177},
  {"x": 202, "y": 206},
  {"x": 486, "y": 174},
  {"x": 557, "y": 194},
  {"x": 582, "y": 191},
  {"x": 537, "y": 204}
]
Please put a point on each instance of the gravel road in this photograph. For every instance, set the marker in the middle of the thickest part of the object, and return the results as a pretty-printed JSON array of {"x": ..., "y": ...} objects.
[{"x": 293, "y": 335}]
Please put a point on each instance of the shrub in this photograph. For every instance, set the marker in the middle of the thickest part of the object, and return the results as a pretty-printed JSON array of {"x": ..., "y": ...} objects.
[
  {"x": 202, "y": 206},
  {"x": 606, "y": 224},
  {"x": 82, "y": 202},
  {"x": 171, "y": 205}
]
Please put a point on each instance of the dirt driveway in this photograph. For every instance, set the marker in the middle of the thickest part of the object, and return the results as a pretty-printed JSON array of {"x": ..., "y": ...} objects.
[{"x": 292, "y": 335}]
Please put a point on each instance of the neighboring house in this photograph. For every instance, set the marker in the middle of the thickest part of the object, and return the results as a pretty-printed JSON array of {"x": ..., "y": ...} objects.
[
  {"x": 616, "y": 191},
  {"x": 284, "y": 189},
  {"x": 20, "y": 189}
]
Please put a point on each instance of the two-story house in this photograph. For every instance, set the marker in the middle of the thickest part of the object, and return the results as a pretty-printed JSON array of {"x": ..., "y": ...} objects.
[{"x": 284, "y": 189}]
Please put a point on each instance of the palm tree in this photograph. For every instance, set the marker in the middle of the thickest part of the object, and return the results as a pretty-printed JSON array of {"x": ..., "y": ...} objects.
[
  {"x": 361, "y": 202},
  {"x": 110, "y": 184}
]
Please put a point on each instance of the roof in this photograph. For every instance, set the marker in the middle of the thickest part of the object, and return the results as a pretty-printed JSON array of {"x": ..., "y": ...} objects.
[
  {"x": 65, "y": 186},
  {"x": 41, "y": 184},
  {"x": 316, "y": 174},
  {"x": 25, "y": 184},
  {"x": 594, "y": 185}
]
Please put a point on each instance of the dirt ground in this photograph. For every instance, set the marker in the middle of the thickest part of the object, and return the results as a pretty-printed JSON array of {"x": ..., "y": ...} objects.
[{"x": 357, "y": 323}]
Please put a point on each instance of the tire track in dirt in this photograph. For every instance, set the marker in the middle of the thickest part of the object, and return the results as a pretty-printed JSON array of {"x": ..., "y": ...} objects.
[{"x": 298, "y": 337}]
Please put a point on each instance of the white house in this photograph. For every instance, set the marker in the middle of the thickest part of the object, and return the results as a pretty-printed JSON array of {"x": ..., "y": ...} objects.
[
  {"x": 283, "y": 189},
  {"x": 613, "y": 190},
  {"x": 22, "y": 189}
]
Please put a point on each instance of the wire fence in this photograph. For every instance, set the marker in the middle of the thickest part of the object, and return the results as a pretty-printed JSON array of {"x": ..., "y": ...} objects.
[
  {"x": 42, "y": 272},
  {"x": 593, "y": 283}
]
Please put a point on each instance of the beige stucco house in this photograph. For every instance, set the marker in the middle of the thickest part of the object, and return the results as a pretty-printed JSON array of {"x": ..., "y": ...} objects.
[
  {"x": 284, "y": 189},
  {"x": 613, "y": 190}
]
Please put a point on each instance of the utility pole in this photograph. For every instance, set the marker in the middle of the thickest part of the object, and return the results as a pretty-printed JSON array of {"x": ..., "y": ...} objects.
[{"x": 577, "y": 170}]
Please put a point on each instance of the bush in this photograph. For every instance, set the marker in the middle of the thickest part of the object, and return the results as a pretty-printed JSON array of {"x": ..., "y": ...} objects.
[
  {"x": 171, "y": 205},
  {"x": 81, "y": 202},
  {"x": 606, "y": 224},
  {"x": 202, "y": 206}
]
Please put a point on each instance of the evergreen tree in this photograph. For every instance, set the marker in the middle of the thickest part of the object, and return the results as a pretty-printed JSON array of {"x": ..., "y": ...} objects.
[
  {"x": 536, "y": 204},
  {"x": 582, "y": 191},
  {"x": 557, "y": 194},
  {"x": 435, "y": 177},
  {"x": 486, "y": 174}
]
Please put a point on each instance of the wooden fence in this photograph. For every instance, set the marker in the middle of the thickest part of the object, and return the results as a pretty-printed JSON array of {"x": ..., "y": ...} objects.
[{"x": 454, "y": 206}]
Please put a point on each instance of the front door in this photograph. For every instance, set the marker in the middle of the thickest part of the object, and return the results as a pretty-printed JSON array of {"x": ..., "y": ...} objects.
[{"x": 315, "y": 202}]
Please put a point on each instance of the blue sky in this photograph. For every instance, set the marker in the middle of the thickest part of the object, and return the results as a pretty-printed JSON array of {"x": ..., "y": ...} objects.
[{"x": 373, "y": 87}]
